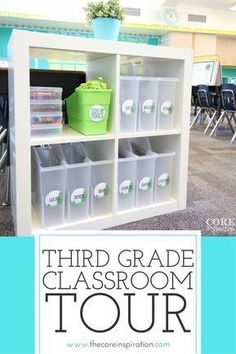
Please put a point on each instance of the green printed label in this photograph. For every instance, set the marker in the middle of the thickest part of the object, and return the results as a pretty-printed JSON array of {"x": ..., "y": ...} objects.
[
  {"x": 148, "y": 107},
  {"x": 163, "y": 180},
  {"x": 54, "y": 199},
  {"x": 145, "y": 184},
  {"x": 96, "y": 113},
  {"x": 101, "y": 190},
  {"x": 126, "y": 187},
  {"x": 167, "y": 108},
  {"x": 78, "y": 196},
  {"x": 128, "y": 107}
]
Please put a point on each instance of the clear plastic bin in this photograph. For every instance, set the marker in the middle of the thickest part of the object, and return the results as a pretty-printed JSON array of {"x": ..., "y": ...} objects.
[
  {"x": 164, "y": 176},
  {"x": 127, "y": 170},
  {"x": 145, "y": 171},
  {"x": 45, "y": 93},
  {"x": 45, "y": 106},
  {"x": 101, "y": 177},
  {"x": 78, "y": 181},
  {"x": 48, "y": 185},
  {"x": 166, "y": 103},
  {"x": 129, "y": 91},
  {"x": 45, "y": 122},
  {"x": 148, "y": 92},
  {"x": 46, "y": 129}
]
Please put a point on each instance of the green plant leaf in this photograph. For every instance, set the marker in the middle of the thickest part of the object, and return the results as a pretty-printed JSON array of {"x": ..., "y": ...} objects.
[
  {"x": 97, "y": 84},
  {"x": 110, "y": 9}
]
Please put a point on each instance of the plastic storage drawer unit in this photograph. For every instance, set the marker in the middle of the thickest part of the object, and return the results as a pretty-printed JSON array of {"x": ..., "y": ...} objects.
[
  {"x": 145, "y": 171},
  {"x": 41, "y": 107},
  {"x": 166, "y": 103},
  {"x": 101, "y": 178},
  {"x": 148, "y": 92},
  {"x": 45, "y": 93},
  {"x": 164, "y": 176},
  {"x": 129, "y": 91},
  {"x": 46, "y": 123},
  {"x": 48, "y": 185},
  {"x": 127, "y": 169},
  {"x": 78, "y": 181}
]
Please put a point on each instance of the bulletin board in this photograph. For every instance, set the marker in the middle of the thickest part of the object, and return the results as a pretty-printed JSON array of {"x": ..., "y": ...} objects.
[{"x": 207, "y": 71}]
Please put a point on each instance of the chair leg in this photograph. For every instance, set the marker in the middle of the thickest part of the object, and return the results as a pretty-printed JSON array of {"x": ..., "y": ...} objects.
[
  {"x": 196, "y": 118},
  {"x": 202, "y": 120},
  {"x": 209, "y": 124},
  {"x": 217, "y": 123},
  {"x": 3, "y": 159},
  {"x": 233, "y": 138},
  {"x": 230, "y": 125},
  {"x": 234, "y": 118},
  {"x": 7, "y": 187}
]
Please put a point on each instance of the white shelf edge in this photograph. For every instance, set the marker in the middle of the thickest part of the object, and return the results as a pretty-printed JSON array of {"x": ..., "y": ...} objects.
[
  {"x": 67, "y": 135},
  {"x": 150, "y": 133},
  {"x": 110, "y": 220},
  {"x": 147, "y": 207}
]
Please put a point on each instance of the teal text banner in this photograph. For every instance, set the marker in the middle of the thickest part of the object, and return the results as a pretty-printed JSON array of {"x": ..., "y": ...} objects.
[
  {"x": 16, "y": 295},
  {"x": 218, "y": 295}
]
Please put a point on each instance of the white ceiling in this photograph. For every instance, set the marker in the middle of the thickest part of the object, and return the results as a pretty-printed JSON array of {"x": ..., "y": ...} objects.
[{"x": 219, "y": 4}]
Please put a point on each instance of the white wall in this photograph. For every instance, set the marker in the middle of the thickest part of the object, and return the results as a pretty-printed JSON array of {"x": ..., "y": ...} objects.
[
  {"x": 151, "y": 12},
  {"x": 216, "y": 19}
]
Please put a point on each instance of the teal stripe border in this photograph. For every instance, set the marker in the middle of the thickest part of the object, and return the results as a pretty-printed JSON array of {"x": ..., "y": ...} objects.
[
  {"x": 219, "y": 295},
  {"x": 16, "y": 295}
]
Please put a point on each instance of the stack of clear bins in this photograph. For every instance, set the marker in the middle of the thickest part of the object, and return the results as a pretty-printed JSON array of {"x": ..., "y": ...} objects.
[
  {"x": 148, "y": 96},
  {"x": 100, "y": 155},
  {"x": 48, "y": 185},
  {"x": 146, "y": 162},
  {"x": 129, "y": 95},
  {"x": 78, "y": 181},
  {"x": 164, "y": 176},
  {"x": 46, "y": 109},
  {"x": 147, "y": 103},
  {"x": 127, "y": 170},
  {"x": 166, "y": 103},
  {"x": 145, "y": 173}
]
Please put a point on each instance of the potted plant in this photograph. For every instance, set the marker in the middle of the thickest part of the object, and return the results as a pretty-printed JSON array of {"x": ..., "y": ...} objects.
[{"x": 105, "y": 18}]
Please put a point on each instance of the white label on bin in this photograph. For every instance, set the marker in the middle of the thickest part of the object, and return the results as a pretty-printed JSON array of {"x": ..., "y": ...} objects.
[
  {"x": 145, "y": 184},
  {"x": 78, "y": 196},
  {"x": 96, "y": 113},
  {"x": 54, "y": 199},
  {"x": 163, "y": 180},
  {"x": 126, "y": 187},
  {"x": 101, "y": 190},
  {"x": 167, "y": 108},
  {"x": 128, "y": 107},
  {"x": 148, "y": 107}
]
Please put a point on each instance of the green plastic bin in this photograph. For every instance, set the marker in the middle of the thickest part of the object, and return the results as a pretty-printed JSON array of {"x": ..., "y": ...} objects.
[{"x": 88, "y": 111}]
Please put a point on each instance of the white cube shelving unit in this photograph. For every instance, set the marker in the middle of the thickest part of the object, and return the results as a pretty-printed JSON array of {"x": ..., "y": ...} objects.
[{"x": 102, "y": 58}]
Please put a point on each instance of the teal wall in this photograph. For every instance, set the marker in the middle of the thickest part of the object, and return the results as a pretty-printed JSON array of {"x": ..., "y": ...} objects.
[
  {"x": 229, "y": 71},
  {"x": 229, "y": 74},
  {"x": 5, "y": 33}
]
